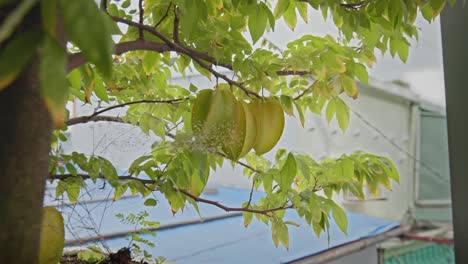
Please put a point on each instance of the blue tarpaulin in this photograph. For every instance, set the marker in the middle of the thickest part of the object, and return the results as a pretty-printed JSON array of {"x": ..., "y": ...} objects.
[{"x": 224, "y": 240}]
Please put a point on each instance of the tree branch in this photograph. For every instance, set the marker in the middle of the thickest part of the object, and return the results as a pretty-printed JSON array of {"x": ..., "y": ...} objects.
[
  {"x": 86, "y": 119},
  {"x": 141, "y": 13},
  {"x": 94, "y": 117},
  {"x": 251, "y": 193},
  {"x": 78, "y": 59},
  {"x": 185, "y": 51},
  {"x": 170, "y": 101},
  {"x": 185, "y": 192},
  {"x": 175, "y": 32}
]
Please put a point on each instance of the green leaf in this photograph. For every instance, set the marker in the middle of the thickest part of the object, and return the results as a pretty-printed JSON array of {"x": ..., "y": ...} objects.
[
  {"x": 202, "y": 70},
  {"x": 287, "y": 103},
  {"x": 15, "y": 17},
  {"x": 331, "y": 110},
  {"x": 150, "y": 202},
  {"x": 91, "y": 30},
  {"x": 303, "y": 167},
  {"x": 290, "y": 17},
  {"x": 302, "y": 8},
  {"x": 16, "y": 54},
  {"x": 288, "y": 172},
  {"x": 393, "y": 46},
  {"x": 126, "y": 3},
  {"x": 280, "y": 233},
  {"x": 257, "y": 23},
  {"x": 267, "y": 182},
  {"x": 403, "y": 49},
  {"x": 193, "y": 13},
  {"x": 52, "y": 236},
  {"x": 119, "y": 192},
  {"x": 361, "y": 73},
  {"x": 52, "y": 75},
  {"x": 342, "y": 114},
  {"x": 71, "y": 169},
  {"x": 347, "y": 166},
  {"x": 271, "y": 17},
  {"x": 349, "y": 85},
  {"x": 247, "y": 218},
  {"x": 300, "y": 112},
  {"x": 340, "y": 218},
  {"x": 281, "y": 7},
  {"x": 49, "y": 16},
  {"x": 109, "y": 172},
  {"x": 99, "y": 88},
  {"x": 74, "y": 77},
  {"x": 90, "y": 256}
]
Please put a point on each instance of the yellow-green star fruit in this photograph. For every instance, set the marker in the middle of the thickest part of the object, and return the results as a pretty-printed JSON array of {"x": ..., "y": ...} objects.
[
  {"x": 243, "y": 134},
  {"x": 212, "y": 115},
  {"x": 269, "y": 117},
  {"x": 52, "y": 238}
]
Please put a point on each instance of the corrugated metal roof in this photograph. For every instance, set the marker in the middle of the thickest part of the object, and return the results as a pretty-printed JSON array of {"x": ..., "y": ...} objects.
[{"x": 220, "y": 240}]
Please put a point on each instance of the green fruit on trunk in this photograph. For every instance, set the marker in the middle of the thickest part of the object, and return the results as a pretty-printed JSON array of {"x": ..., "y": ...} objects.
[
  {"x": 269, "y": 117},
  {"x": 52, "y": 236}
]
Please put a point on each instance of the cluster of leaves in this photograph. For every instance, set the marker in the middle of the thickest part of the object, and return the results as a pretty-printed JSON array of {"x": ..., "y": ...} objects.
[
  {"x": 141, "y": 227},
  {"x": 162, "y": 38}
]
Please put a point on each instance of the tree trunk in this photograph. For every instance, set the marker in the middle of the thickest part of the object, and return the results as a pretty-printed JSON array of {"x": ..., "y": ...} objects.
[{"x": 25, "y": 136}]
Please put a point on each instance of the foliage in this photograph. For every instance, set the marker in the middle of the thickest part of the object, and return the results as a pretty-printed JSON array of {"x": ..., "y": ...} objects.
[
  {"x": 130, "y": 66},
  {"x": 139, "y": 221},
  {"x": 91, "y": 255},
  {"x": 52, "y": 236}
]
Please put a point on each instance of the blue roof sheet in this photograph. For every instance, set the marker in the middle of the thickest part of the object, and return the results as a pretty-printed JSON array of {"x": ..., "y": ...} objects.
[{"x": 224, "y": 240}]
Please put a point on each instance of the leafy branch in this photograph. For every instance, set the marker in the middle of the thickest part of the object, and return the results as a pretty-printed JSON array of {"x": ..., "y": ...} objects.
[
  {"x": 92, "y": 117},
  {"x": 305, "y": 91},
  {"x": 197, "y": 199},
  {"x": 77, "y": 59}
]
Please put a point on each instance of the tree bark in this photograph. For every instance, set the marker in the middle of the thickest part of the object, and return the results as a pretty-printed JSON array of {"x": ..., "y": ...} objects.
[{"x": 25, "y": 136}]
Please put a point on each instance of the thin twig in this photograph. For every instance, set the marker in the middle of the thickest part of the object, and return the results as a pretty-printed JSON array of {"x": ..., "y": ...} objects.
[
  {"x": 170, "y": 101},
  {"x": 94, "y": 117},
  {"x": 175, "y": 32},
  {"x": 141, "y": 13},
  {"x": 238, "y": 162},
  {"x": 164, "y": 16},
  {"x": 251, "y": 194},
  {"x": 235, "y": 209},
  {"x": 305, "y": 91}
]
